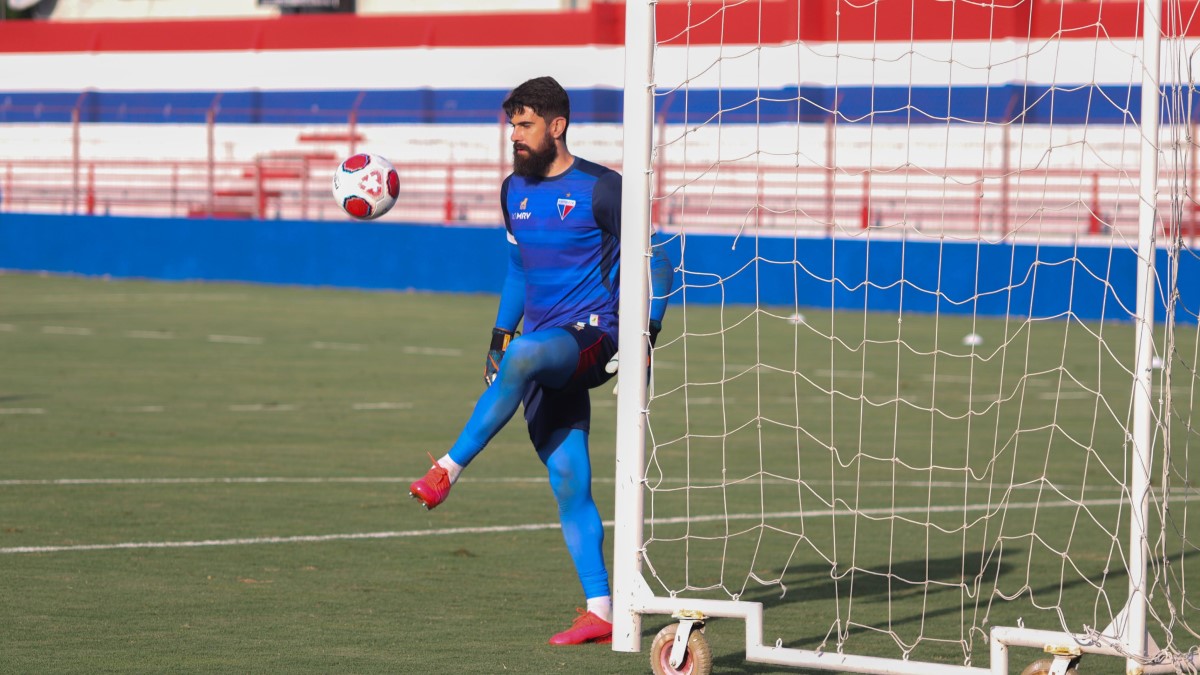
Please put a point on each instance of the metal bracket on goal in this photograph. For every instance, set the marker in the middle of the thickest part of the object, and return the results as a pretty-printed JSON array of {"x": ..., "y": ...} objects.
[
  {"x": 1064, "y": 658},
  {"x": 689, "y": 620}
]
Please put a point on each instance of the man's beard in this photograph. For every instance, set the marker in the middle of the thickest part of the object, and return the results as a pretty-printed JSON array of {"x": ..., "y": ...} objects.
[{"x": 537, "y": 162}]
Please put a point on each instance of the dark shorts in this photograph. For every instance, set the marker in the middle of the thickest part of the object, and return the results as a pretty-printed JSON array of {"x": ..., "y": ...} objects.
[{"x": 568, "y": 407}]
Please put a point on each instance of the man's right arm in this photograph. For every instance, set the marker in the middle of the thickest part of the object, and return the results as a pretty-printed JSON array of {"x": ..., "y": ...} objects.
[
  {"x": 512, "y": 297},
  {"x": 509, "y": 313}
]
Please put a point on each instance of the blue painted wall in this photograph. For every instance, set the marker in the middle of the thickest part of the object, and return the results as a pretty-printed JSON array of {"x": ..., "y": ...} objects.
[
  {"x": 956, "y": 278},
  {"x": 886, "y": 275},
  {"x": 880, "y": 104},
  {"x": 311, "y": 253}
]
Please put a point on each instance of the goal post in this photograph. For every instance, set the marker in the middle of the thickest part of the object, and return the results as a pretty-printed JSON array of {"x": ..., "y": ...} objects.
[
  {"x": 634, "y": 312},
  {"x": 1133, "y": 631},
  {"x": 926, "y": 392}
]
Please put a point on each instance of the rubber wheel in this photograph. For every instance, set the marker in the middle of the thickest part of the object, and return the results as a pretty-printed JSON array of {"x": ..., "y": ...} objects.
[
  {"x": 697, "y": 660},
  {"x": 1042, "y": 667}
]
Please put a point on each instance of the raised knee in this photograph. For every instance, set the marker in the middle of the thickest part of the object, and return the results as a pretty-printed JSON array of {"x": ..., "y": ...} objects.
[{"x": 520, "y": 360}]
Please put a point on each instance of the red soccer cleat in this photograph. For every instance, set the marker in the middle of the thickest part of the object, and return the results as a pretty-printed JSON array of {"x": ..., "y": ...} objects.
[
  {"x": 433, "y": 488},
  {"x": 587, "y": 628}
]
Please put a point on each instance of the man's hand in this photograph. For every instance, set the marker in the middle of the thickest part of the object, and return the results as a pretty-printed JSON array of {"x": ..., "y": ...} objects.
[
  {"x": 500, "y": 340},
  {"x": 655, "y": 329}
]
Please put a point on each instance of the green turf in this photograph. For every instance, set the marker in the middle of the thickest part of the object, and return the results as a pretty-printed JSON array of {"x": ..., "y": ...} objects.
[{"x": 341, "y": 393}]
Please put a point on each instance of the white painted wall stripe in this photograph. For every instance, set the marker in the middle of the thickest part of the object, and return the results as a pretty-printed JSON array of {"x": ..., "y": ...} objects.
[{"x": 925, "y": 63}]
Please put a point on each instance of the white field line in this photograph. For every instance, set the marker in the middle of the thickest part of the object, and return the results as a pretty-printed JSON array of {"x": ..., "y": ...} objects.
[
  {"x": 339, "y": 346},
  {"x": 263, "y": 407},
  {"x": 302, "y": 539},
  {"x": 235, "y": 339},
  {"x": 499, "y": 529},
  {"x": 433, "y": 351},
  {"x": 236, "y": 407},
  {"x": 142, "y": 409},
  {"x": 123, "y": 297},
  {"x": 942, "y": 379},
  {"x": 66, "y": 330},
  {"x": 1066, "y": 395},
  {"x": 382, "y": 405},
  {"x": 150, "y": 334},
  {"x": 855, "y": 374},
  {"x": 366, "y": 480}
]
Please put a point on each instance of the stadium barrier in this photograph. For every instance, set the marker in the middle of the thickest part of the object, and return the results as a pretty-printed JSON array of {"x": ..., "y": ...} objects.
[{"x": 1038, "y": 281}]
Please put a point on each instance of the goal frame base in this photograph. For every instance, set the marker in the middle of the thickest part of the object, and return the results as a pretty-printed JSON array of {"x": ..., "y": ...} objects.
[{"x": 627, "y": 638}]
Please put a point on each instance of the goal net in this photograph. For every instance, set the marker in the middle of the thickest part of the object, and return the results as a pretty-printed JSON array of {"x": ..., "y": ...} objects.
[{"x": 927, "y": 380}]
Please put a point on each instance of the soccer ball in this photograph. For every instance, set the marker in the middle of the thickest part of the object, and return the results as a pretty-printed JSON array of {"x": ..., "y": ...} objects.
[{"x": 366, "y": 186}]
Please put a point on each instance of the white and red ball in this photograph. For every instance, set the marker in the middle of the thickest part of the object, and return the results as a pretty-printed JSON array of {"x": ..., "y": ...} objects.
[{"x": 366, "y": 186}]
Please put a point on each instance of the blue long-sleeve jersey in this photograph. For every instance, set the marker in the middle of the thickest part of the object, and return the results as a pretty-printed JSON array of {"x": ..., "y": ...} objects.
[{"x": 565, "y": 259}]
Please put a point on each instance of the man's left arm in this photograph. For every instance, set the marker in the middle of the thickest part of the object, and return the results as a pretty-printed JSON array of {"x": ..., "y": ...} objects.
[
  {"x": 662, "y": 280},
  {"x": 606, "y": 202}
]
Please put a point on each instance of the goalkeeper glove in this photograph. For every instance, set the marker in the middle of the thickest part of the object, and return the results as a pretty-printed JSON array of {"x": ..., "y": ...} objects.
[
  {"x": 655, "y": 329},
  {"x": 500, "y": 340}
]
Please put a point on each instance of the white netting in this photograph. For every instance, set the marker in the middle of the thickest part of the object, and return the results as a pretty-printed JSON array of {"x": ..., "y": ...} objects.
[{"x": 892, "y": 399}]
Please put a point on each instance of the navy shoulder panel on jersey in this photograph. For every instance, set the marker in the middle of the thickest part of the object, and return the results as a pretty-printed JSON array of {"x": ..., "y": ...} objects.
[
  {"x": 606, "y": 203},
  {"x": 591, "y": 168},
  {"x": 504, "y": 203}
]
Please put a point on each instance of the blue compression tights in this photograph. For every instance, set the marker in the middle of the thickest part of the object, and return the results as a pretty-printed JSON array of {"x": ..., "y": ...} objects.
[
  {"x": 566, "y": 458},
  {"x": 548, "y": 357}
]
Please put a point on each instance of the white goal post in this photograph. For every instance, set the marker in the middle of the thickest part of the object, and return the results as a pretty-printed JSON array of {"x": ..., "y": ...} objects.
[{"x": 926, "y": 388}]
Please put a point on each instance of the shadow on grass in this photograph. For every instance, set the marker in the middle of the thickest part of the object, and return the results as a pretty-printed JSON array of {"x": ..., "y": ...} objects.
[{"x": 930, "y": 590}]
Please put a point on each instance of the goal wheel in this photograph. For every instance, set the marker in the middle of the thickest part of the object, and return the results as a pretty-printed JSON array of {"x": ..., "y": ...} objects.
[
  {"x": 1044, "y": 667},
  {"x": 697, "y": 660}
]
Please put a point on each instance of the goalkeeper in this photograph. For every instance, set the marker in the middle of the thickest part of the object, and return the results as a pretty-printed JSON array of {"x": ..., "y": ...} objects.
[{"x": 563, "y": 216}]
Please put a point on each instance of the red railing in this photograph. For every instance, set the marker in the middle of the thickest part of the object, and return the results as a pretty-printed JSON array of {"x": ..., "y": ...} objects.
[
  {"x": 957, "y": 203},
  {"x": 962, "y": 203}
]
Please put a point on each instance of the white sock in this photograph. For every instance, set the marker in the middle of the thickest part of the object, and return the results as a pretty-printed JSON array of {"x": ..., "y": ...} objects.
[
  {"x": 601, "y": 607},
  {"x": 452, "y": 467}
]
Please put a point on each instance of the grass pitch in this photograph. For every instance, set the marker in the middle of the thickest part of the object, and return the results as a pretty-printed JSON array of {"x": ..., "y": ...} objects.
[
  {"x": 213, "y": 478},
  {"x": 221, "y": 418}
]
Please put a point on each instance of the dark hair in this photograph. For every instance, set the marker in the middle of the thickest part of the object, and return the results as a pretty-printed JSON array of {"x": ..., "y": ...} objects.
[{"x": 544, "y": 96}]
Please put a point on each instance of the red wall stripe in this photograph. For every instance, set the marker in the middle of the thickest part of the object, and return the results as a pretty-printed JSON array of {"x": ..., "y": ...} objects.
[{"x": 768, "y": 21}]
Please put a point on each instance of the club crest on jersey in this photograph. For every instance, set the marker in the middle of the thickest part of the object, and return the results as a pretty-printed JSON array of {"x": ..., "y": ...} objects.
[{"x": 564, "y": 207}]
